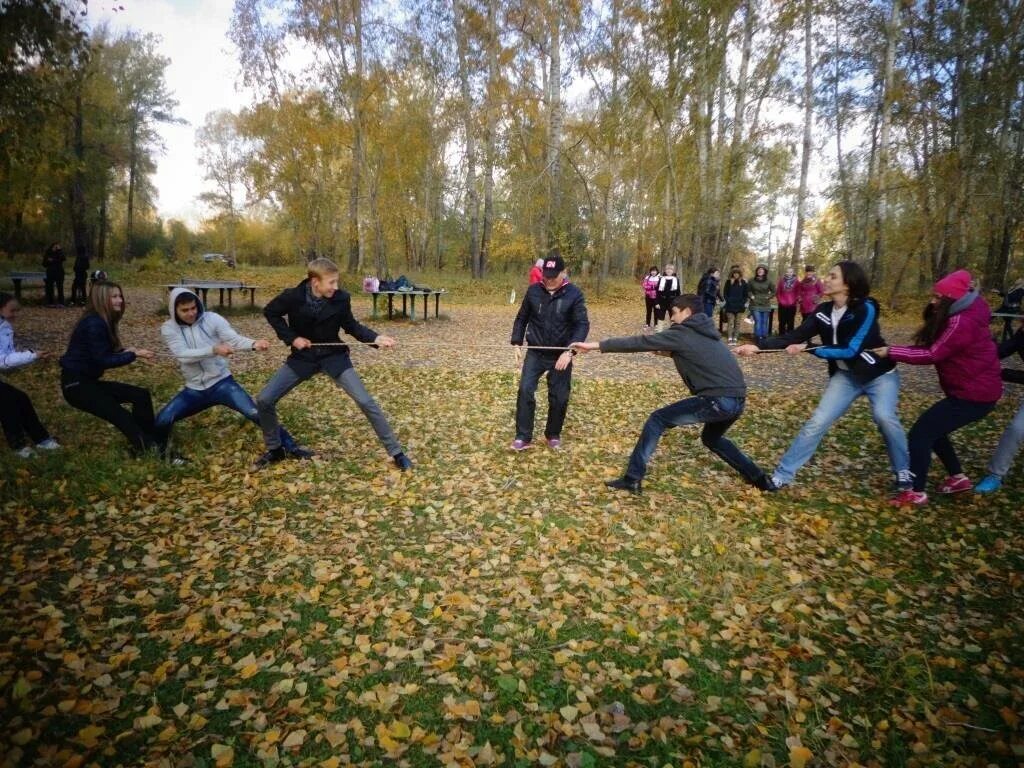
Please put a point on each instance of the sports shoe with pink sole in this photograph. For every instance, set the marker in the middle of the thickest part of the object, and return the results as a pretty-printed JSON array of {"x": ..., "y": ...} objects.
[
  {"x": 956, "y": 484},
  {"x": 909, "y": 499},
  {"x": 520, "y": 445}
]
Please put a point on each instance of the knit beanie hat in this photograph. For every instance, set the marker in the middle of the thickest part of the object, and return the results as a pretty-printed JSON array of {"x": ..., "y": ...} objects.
[{"x": 954, "y": 285}]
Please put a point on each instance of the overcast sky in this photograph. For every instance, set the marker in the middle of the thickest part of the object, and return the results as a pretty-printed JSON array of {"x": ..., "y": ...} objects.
[{"x": 202, "y": 75}]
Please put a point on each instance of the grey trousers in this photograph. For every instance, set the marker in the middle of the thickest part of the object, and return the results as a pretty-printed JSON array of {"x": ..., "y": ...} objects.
[
  {"x": 1009, "y": 444},
  {"x": 286, "y": 379}
]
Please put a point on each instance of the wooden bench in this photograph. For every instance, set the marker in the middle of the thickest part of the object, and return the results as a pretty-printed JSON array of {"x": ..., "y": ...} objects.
[
  {"x": 203, "y": 287},
  {"x": 411, "y": 296},
  {"x": 18, "y": 277}
]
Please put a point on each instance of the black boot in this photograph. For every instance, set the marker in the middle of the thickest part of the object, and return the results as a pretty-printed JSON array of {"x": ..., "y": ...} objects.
[
  {"x": 766, "y": 484},
  {"x": 624, "y": 484}
]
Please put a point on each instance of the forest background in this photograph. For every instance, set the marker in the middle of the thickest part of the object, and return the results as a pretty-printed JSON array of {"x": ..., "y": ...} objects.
[{"x": 474, "y": 135}]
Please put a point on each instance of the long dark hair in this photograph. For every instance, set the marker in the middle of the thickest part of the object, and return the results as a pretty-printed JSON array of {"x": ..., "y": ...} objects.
[
  {"x": 858, "y": 286},
  {"x": 936, "y": 315}
]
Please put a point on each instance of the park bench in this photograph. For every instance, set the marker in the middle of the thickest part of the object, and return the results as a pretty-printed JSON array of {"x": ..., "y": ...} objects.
[
  {"x": 203, "y": 287},
  {"x": 17, "y": 278},
  {"x": 409, "y": 295}
]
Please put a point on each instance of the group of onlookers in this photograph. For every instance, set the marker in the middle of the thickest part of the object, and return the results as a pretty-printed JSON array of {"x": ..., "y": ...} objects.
[
  {"x": 53, "y": 282},
  {"x": 739, "y": 299}
]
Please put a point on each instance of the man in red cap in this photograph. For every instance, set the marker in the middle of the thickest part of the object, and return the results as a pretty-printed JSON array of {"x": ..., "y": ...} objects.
[{"x": 553, "y": 314}]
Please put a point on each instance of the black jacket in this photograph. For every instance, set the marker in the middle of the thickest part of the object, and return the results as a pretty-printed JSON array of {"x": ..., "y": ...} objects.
[
  {"x": 857, "y": 334},
  {"x": 291, "y": 316},
  {"x": 735, "y": 295},
  {"x": 551, "y": 319},
  {"x": 1013, "y": 344},
  {"x": 90, "y": 351},
  {"x": 705, "y": 364}
]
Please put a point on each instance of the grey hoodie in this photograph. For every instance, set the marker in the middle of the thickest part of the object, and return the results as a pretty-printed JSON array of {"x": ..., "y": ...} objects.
[
  {"x": 193, "y": 345},
  {"x": 705, "y": 364}
]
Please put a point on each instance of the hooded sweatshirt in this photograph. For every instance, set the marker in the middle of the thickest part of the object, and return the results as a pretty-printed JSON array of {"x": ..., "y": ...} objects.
[
  {"x": 964, "y": 355},
  {"x": 9, "y": 356},
  {"x": 704, "y": 363},
  {"x": 192, "y": 345}
]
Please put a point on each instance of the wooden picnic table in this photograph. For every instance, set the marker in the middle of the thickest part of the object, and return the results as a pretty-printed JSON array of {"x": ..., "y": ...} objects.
[
  {"x": 203, "y": 287},
  {"x": 411, "y": 296},
  {"x": 18, "y": 277}
]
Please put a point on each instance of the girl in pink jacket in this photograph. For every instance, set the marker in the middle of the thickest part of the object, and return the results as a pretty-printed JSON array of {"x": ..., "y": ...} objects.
[
  {"x": 650, "y": 286},
  {"x": 955, "y": 338}
]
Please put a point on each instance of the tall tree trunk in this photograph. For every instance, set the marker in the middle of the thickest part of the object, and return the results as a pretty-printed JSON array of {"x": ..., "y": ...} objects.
[
  {"x": 881, "y": 199},
  {"x": 101, "y": 236},
  {"x": 805, "y": 154},
  {"x": 469, "y": 131},
  {"x": 555, "y": 225},
  {"x": 735, "y": 167},
  {"x": 76, "y": 182},
  {"x": 355, "y": 229},
  {"x": 490, "y": 131},
  {"x": 844, "y": 185},
  {"x": 132, "y": 170}
]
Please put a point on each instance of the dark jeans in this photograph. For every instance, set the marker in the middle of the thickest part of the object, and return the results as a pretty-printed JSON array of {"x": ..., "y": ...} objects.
[
  {"x": 54, "y": 280},
  {"x": 931, "y": 433},
  {"x": 226, "y": 392},
  {"x": 78, "y": 288},
  {"x": 649, "y": 304},
  {"x": 787, "y": 319},
  {"x": 536, "y": 365},
  {"x": 18, "y": 417},
  {"x": 104, "y": 399},
  {"x": 717, "y": 414}
]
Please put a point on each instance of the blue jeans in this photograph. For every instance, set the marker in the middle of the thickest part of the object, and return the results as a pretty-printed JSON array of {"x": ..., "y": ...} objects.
[
  {"x": 717, "y": 414},
  {"x": 227, "y": 392},
  {"x": 709, "y": 308},
  {"x": 882, "y": 392},
  {"x": 761, "y": 323}
]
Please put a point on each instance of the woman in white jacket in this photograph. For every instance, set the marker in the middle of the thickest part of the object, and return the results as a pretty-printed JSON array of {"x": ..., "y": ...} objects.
[
  {"x": 202, "y": 341},
  {"x": 17, "y": 414}
]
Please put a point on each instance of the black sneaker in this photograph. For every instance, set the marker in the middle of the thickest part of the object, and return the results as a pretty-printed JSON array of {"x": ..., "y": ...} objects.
[
  {"x": 402, "y": 462},
  {"x": 177, "y": 460},
  {"x": 766, "y": 484},
  {"x": 270, "y": 457},
  {"x": 298, "y": 452},
  {"x": 624, "y": 484}
]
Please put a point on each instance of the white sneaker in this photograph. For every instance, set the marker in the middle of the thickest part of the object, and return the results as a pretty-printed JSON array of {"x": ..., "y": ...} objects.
[
  {"x": 49, "y": 444},
  {"x": 25, "y": 453}
]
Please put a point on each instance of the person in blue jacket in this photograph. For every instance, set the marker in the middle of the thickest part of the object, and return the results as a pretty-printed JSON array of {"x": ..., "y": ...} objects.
[
  {"x": 848, "y": 327},
  {"x": 95, "y": 347}
]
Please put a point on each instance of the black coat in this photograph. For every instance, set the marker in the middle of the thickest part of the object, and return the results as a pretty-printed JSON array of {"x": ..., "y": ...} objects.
[
  {"x": 292, "y": 316},
  {"x": 551, "y": 319},
  {"x": 1013, "y": 344},
  {"x": 735, "y": 295}
]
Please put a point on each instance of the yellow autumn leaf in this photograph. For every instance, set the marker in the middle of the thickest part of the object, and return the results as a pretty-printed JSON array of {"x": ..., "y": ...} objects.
[
  {"x": 223, "y": 755},
  {"x": 799, "y": 757}
]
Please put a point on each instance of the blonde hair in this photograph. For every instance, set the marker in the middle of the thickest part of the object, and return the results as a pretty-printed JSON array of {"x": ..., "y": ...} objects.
[
  {"x": 99, "y": 304},
  {"x": 320, "y": 268}
]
